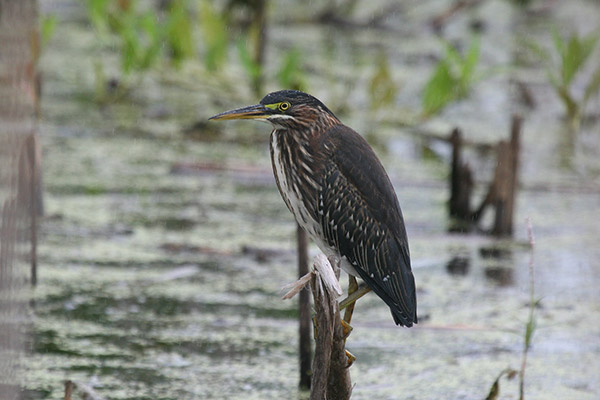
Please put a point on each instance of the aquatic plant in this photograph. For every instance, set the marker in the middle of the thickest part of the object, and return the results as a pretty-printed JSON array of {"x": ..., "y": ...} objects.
[
  {"x": 215, "y": 34},
  {"x": 47, "y": 27},
  {"x": 495, "y": 389},
  {"x": 145, "y": 36},
  {"x": 142, "y": 35},
  {"x": 140, "y": 40},
  {"x": 252, "y": 68},
  {"x": 253, "y": 41},
  {"x": 291, "y": 73},
  {"x": 382, "y": 88},
  {"x": 98, "y": 14},
  {"x": 179, "y": 33},
  {"x": 452, "y": 78},
  {"x": 530, "y": 325},
  {"x": 569, "y": 57}
]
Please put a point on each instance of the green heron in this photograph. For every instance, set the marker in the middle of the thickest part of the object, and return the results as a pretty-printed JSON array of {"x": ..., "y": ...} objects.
[{"x": 339, "y": 193}]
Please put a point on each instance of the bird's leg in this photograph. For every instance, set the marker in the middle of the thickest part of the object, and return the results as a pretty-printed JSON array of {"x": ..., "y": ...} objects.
[
  {"x": 353, "y": 297},
  {"x": 352, "y": 287},
  {"x": 355, "y": 292}
]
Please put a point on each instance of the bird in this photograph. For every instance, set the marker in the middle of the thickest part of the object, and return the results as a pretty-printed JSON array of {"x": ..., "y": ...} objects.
[{"x": 339, "y": 193}]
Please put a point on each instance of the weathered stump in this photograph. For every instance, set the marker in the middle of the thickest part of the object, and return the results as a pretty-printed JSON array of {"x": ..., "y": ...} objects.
[
  {"x": 331, "y": 376},
  {"x": 501, "y": 193},
  {"x": 330, "y": 372}
]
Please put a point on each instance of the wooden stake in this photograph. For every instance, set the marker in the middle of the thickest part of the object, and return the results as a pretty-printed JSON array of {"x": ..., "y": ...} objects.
[
  {"x": 503, "y": 189},
  {"x": 461, "y": 182},
  {"x": 506, "y": 181}
]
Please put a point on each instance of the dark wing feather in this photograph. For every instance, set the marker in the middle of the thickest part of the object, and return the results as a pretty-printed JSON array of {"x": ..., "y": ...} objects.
[{"x": 361, "y": 217}]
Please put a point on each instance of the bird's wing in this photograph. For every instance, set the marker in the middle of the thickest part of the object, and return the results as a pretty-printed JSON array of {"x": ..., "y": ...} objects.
[{"x": 360, "y": 216}]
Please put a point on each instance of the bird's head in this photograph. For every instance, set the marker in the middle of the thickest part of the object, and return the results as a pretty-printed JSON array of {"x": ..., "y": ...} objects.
[{"x": 286, "y": 109}]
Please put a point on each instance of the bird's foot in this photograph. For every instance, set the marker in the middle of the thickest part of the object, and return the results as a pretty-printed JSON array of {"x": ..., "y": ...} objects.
[
  {"x": 351, "y": 358},
  {"x": 347, "y": 328}
]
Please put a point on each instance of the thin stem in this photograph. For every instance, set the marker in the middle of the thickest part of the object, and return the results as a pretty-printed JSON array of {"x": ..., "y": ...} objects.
[{"x": 530, "y": 327}]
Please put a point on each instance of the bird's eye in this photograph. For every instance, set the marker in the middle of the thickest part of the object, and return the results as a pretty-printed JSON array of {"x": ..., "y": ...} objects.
[{"x": 284, "y": 106}]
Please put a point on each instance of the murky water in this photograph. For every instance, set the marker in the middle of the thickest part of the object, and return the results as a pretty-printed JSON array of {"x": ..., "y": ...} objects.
[{"x": 162, "y": 280}]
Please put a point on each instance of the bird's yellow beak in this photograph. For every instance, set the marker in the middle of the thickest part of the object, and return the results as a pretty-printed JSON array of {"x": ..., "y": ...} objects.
[{"x": 257, "y": 111}]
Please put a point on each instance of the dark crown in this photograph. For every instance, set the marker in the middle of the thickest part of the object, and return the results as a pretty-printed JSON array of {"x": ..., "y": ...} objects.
[{"x": 295, "y": 97}]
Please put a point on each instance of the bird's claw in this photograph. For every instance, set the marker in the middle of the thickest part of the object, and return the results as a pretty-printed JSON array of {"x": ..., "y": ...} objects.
[
  {"x": 347, "y": 328},
  {"x": 351, "y": 358}
]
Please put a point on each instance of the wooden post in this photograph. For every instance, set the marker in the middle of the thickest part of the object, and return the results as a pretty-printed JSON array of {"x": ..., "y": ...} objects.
[
  {"x": 506, "y": 181},
  {"x": 18, "y": 104},
  {"x": 502, "y": 191},
  {"x": 30, "y": 194},
  {"x": 330, "y": 372},
  {"x": 501, "y": 184},
  {"x": 339, "y": 384},
  {"x": 461, "y": 182},
  {"x": 305, "y": 331},
  {"x": 515, "y": 149},
  {"x": 331, "y": 375}
]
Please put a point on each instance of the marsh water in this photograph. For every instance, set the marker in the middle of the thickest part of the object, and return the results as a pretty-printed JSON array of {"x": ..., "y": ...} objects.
[{"x": 165, "y": 244}]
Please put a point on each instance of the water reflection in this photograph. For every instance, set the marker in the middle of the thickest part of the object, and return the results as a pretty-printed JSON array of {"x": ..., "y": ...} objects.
[
  {"x": 495, "y": 252},
  {"x": 499, "y": 260},
  {"x": 458, "y": 265},
  {"x": 495, "y": 261},
  {"x": 500, "y": 275}
]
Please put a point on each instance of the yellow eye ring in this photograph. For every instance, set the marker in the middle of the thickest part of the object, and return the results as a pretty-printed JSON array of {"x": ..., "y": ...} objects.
[{"x": 284, "y": 106}]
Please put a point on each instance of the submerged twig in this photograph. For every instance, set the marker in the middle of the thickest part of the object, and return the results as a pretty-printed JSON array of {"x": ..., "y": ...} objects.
[
  {"x": 294, "y": 288},
  {"x": 328, "y": 278}
]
